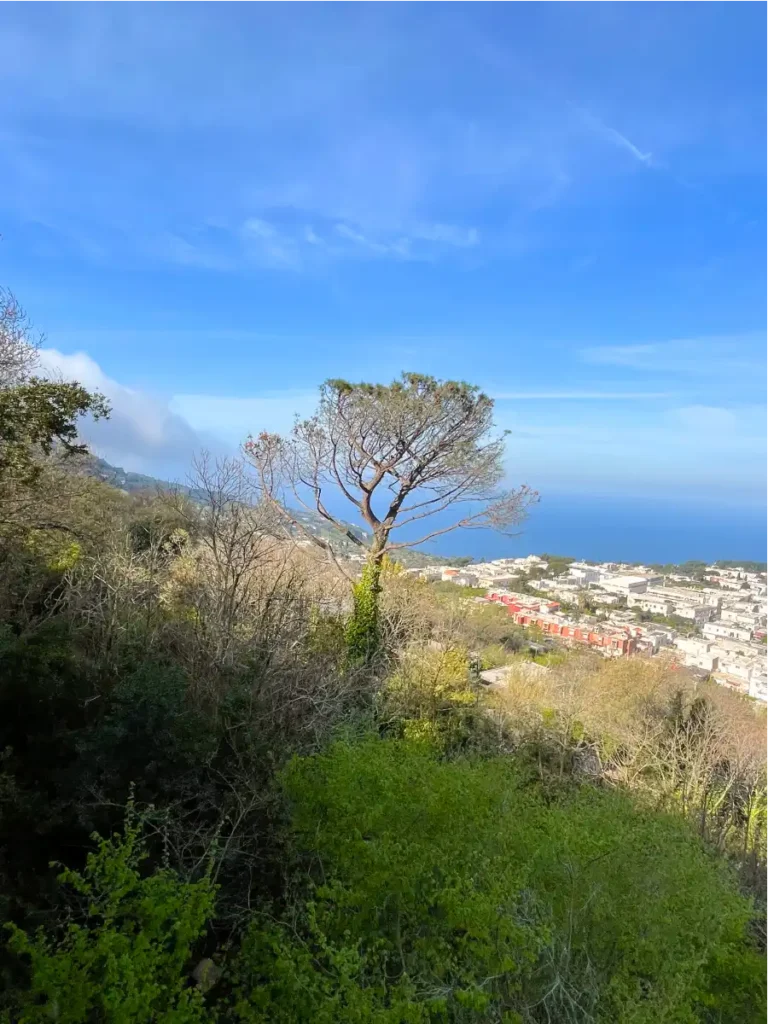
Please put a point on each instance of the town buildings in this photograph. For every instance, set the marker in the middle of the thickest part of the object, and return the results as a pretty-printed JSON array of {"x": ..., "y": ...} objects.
[{"x": 715, "y": 626}]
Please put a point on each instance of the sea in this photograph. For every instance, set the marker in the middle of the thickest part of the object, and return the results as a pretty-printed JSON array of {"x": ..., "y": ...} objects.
[{"x": 622, "y": 529}]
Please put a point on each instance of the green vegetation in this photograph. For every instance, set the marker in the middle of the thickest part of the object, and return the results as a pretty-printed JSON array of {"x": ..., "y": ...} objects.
[
  {"x": 488, "y": 902},
  {"x": 234, "y": 790},
  {"x": 557, "y": 565},
  {"x": 125, "y": 960},
  {"x": 453, "y": 589},
  {"x": 362, "y": 632}
]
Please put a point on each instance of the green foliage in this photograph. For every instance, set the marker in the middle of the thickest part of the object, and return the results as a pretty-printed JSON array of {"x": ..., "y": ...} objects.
[
  {"x": 125, "y": 960},
  {"x": 451, "y": 891},
  {"x": 427, "y": 694},
  {"x": 415, "y": 908},
  {"x": 550, "y": 658},
  {"x": 149, "y": 733},
  {"x": 494, "y": 656},
  {"x": 557, "y": 565},
  {"x": 362, "y": 631},
  {"x": 326, "y": 636},
  {"x": 37, "y": 415},
  {"x": 449, "y": 589}
]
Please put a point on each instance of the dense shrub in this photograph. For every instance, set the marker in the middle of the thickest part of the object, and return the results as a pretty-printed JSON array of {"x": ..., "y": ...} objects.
[
  {"x": 451, "y": 890},
  {"x": 122, "y": 956}
]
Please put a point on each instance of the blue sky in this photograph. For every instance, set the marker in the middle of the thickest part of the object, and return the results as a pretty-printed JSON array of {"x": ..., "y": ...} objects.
[{"x": 210, "y": 209}]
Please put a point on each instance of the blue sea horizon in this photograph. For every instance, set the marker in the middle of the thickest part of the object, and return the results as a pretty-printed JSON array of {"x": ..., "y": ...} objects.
[{"x": 622, "y": 529}]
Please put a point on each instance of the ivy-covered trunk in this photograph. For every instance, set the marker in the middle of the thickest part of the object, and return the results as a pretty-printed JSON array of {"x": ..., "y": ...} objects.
[{"x": 362, "y": 632}]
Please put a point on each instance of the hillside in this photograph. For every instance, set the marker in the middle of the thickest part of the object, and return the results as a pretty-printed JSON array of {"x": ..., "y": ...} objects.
[
  {"x": 188, "y": 698},
  {"x": 140, "y": 483},
  {"x": 237, "y": 788}
]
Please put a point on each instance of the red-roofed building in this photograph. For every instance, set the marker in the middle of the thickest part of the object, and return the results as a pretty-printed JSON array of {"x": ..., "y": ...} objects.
[{"x": 608, "y": 641}]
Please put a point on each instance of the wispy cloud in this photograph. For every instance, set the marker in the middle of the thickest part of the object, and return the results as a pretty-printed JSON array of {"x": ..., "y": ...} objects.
[
  {"x": 615, "y": 137},
  {"x": 270, "y": 246},
  {"x": 710, "y": 418},
  {"x": 290, "y": 244},
  {"x": 400, "y": 248},
  {"x": 634, "y": 356},
  {"x": 683, "y": 450},
  {"x": 600, "y": 396},
  {"x": 708, "y": 356},
  {"x": 446, "y": 234},
  {"x": 289, "y": 133}
]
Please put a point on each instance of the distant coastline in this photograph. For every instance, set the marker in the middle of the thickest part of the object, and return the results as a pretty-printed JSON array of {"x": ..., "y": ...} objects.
[{"x": 654, "y": 530}]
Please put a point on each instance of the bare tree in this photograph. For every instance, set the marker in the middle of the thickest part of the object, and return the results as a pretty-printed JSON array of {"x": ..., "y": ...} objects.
[
  {"x": 399, "y": 453},
  {"x": 245, "y": 586},
  {"x": 18, "y": 345}
]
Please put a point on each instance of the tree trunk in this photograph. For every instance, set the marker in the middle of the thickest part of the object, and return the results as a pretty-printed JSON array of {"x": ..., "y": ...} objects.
[{"x": 362, "y": 631}]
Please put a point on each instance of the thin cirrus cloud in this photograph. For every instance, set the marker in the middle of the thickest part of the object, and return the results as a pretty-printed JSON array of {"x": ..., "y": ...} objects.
[
  {"x": 667, "y": 449},
  {"x": 701, "y": 356},
  {"x": 611, "y": 135},
  {"x": 316, "y": 130},
  {"x": 599, "y": 396},
  {"x": 233, "y": 419},
  {"x": 260, "y": 243}
]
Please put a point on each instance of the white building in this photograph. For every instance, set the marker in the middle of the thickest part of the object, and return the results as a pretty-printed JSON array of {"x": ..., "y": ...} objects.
[
  {"x": 714, "y": 630},
  {"x": 496, "y": 581},
  {"x": 697, "y": 613},
  {"x": 758, "y": 686},
  {"x": 650, "y": 602},
  {"x": 694, "y": 595},
  {"x": 698, "y": 653},
  {"x": 744, "y": 615},
  {"x": 464, "y": 579},
  {"x": 625, "y": 583},
  {"x": 583, "y": 574}
]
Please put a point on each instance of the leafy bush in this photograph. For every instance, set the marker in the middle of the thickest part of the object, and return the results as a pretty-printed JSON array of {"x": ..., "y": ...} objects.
[
  {"x": 125, "y": 961},
  {"x": 149, "y": 733},
  {"x": 452, "y": 891},
  {"x": 428, "y": 694}
]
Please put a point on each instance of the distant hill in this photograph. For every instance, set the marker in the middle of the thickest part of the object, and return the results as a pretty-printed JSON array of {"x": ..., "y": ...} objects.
[
  {"x": 135, "y": 483},
  {"x": 124, "y": 480}
]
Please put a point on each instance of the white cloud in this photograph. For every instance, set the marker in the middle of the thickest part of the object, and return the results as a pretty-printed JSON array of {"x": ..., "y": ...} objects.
[
  {"x": 635, "y": 356},
  {"x": 270, "y": 246},
  {"x": 696, "y": 449},
  {"x": 399, "y": 248},
  {"x": 156, "y": 435},
  {"x": 142, "y": 433},
  {"x": 270, "y": 130},
  {"x": 446, "y": 234}
]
